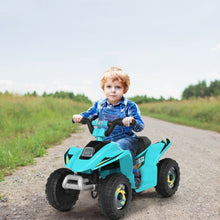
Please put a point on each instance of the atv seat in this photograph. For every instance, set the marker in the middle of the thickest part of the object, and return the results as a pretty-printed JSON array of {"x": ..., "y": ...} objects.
[{"x": 143, "y": 143}]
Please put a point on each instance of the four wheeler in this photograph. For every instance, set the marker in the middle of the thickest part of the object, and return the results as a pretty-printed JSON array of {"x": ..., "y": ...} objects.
[{"x": 106, "y": 170}]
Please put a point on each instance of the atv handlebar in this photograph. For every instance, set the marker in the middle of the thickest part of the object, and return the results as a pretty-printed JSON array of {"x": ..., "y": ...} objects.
[{"x": 111, "y": 124}]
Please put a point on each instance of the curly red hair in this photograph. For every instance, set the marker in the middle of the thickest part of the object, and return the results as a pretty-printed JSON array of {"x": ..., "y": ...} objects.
[{"x": 115, "y": 73}]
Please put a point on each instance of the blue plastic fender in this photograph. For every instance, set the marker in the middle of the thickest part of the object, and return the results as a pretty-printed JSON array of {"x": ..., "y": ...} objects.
[
  {"x": 106, "y": 155},
  {"x": 71, "y": 155},
  {"x": 147, "y": 163}
]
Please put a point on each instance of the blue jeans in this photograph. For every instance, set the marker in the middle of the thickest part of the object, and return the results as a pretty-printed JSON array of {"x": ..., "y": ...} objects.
[{"x": 129, "y": 143}]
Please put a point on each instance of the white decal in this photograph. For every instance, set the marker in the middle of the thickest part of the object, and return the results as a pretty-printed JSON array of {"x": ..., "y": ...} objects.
[{"x": 140, "y": 160}]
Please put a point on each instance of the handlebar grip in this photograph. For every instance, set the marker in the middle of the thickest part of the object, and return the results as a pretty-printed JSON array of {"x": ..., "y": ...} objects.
[
  {"x": 86, "y": 121},
  {"x": 133, "y": 123},
  {"x": 83, "y": 121},
  {"x": 119, "y": 122}
]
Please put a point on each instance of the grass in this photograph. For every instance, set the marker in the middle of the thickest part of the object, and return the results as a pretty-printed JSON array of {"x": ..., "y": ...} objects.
[
  {"x": 29, "y": 125},
  {"x": 199, "y": 113}
]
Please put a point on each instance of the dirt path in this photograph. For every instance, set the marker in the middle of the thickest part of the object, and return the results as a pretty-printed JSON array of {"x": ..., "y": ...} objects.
[{"x": 198, "y": 197}]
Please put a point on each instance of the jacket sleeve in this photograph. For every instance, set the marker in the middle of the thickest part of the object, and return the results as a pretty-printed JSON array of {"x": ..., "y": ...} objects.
[
  {"x": 92, "y": 113},
  {"x": 133, "y": 111}
]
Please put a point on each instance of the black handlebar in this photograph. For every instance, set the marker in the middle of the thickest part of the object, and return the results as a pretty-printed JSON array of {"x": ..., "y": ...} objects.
[
  {"x": 111, "y": 124},
  {"x": 88, "y": 122}
]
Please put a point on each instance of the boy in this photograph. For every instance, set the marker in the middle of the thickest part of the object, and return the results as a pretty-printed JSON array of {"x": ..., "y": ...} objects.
[{"x": 115, "y": 83}]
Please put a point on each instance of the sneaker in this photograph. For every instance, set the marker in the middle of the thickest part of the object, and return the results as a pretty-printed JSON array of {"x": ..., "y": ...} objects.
[{"x": 137, "y": 177}]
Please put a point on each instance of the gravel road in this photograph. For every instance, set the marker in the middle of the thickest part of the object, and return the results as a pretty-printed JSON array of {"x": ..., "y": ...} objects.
[{"x": 196, "y": 151}]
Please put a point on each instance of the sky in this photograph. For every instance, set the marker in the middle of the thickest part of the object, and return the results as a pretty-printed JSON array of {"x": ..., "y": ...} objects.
[{"x": 66, "y": 45}]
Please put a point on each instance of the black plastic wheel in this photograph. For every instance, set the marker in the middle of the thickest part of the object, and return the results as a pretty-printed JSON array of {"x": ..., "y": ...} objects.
[
  {"x": 114, "y": 196},
  {"x": 168, "y": 177},
  {"x": 58, "y": 197}
]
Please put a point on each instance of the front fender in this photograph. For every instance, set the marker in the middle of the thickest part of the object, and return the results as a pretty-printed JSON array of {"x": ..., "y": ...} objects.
[
  {"x": 72, "y": 154},
  {"x": 107, "y": 154}
]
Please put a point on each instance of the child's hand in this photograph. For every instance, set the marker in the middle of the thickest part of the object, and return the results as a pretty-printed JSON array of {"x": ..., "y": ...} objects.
[
  {"x": 127, "y": 121},
  {"x": 77, "y": 118}
]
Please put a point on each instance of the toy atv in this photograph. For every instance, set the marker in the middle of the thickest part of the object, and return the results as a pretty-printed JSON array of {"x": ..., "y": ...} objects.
[{"x": 106, "y": 170}]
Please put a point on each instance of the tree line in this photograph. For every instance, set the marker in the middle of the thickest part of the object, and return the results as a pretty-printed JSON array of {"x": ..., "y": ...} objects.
[
  {"x": 202, "y": 90},
  {"x": 60, "y": 94},
  {"x": 139, "y": 99},
  {"x": 64, "y": 95},
  {"x": 192, "y": 91}
]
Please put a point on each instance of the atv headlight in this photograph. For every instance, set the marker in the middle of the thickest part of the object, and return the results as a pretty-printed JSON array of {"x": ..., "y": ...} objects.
[{"x": 88, "y": 152}]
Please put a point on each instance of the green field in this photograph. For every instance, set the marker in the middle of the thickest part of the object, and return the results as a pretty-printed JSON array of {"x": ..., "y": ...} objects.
[
  {"x": 29, "y": 125},
  {"x": 199, "y": 113}
]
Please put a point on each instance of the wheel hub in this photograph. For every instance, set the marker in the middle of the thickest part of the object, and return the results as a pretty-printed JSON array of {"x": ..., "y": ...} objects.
[
  {"x": 120, "y": 196},
  {"x": 171, "y": 177}
]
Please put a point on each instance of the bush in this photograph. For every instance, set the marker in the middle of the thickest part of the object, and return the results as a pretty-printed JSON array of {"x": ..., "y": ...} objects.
[{"x": 202, "y": 90}]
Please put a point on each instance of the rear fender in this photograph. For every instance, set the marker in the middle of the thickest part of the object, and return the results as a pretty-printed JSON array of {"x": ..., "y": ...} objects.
[
  {"x": 155, "y": 151},
  {"x": 147, "y": 163}
]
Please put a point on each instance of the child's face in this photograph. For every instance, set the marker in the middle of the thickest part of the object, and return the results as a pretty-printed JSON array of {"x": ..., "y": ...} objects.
[{"x": 113, "y": 91}]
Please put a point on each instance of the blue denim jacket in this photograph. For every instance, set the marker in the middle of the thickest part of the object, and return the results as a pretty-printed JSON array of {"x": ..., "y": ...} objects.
[{"x": 126, "y": 108}]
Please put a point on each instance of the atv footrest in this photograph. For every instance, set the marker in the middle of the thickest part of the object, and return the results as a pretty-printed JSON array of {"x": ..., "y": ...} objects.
[{"x": 77, "y": 182}]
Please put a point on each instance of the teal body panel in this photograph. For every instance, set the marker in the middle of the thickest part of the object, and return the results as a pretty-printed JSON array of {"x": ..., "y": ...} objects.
[
  {"x": 110, "y": 153},
  {"x": 147, "y": 163}
]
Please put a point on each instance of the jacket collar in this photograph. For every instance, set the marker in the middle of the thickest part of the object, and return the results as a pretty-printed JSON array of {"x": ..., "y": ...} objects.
[{"x": 123, "y": 102}]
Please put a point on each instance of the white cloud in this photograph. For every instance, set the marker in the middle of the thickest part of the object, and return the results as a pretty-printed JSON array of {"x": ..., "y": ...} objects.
[
  {"x": 217, "y": 47},
  {"x": 6, "y": 85},
  {"x": 211, "y": 76},
  {"x": 59, "y": 86},
  {"x": 87, "y": 83}
]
